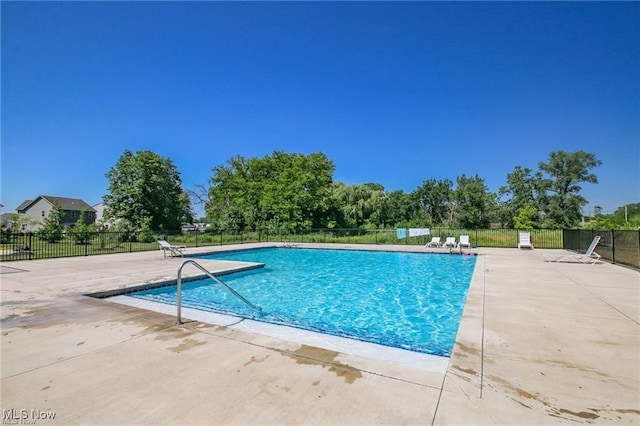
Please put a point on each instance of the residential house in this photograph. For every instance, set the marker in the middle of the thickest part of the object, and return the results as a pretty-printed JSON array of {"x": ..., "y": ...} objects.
[
  {"x": 100, "y": 219},
  {"x": 40, "y": 208},
  {"x": 5, "y": 220},
  {"x": 99, "y": 208}
]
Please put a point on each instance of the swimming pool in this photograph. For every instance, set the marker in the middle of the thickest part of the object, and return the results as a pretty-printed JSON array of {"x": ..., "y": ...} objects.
[{"x": 412, "y": 301}]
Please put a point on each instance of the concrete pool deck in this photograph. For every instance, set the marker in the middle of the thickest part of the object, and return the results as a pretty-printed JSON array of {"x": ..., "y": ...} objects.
[{"x": 539, "y": 343}]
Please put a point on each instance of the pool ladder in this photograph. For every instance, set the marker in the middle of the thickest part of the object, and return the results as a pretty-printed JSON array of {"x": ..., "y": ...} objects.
[{"x": 210, "y": 275}]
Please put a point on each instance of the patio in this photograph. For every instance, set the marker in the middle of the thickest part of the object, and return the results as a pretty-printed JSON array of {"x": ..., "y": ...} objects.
[{"x": 539, "y": 343}]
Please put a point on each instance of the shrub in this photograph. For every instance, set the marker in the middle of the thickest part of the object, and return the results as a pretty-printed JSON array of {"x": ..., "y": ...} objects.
[{"x": 81, "y": 232}]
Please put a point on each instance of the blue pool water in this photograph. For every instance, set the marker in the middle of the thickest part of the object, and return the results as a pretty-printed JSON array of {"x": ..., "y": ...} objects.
[{"x": 412, "y": 301}]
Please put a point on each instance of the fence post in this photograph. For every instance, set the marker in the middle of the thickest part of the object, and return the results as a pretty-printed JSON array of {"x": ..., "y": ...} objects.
[
  {"x": 30, "y": 246},
  {"x": 613, "y": 246}
]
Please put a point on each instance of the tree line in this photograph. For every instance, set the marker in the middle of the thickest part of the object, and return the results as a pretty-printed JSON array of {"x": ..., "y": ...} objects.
[{"x": 291, "y": 191}]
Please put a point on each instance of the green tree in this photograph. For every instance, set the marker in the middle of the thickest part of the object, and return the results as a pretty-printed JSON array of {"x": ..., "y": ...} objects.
[
  {"x": 363, "y": 205},
  {"x": 401, "y": 209},
  {"x": 523, "y": 192},
  {"x": 229, "y": 194},
  {"x": 434, "y": 201},
  {"x": 299, "y": 192},
  {"x": 51, "y": 230},
  {"x": 474, "y": 203},
  {"x": 525, "y": 217},
  {"x": 625, "y": 217},
  {"x": 82, "y": 232},
  {"x": 562, "y": 203},
  {"x": 628, "y": 216},
  {"x": 378, "y": 205},
  {"x": 278, "y": 191},
  {"x": 145, "y": 189}
]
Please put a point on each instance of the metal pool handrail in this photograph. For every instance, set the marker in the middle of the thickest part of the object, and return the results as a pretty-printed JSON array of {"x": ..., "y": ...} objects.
[{"x": 216, "y": 279}]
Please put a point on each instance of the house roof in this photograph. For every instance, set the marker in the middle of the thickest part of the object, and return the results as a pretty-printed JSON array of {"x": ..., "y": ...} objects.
[
  {"x": 71, "y": 204},
  {"x": 24, "y": 205}
]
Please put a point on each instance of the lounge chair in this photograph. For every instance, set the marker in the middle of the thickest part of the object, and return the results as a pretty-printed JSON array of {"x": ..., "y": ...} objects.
[
  {"x": 589, "y": 256},
  {"x": 173, "y": 250},
  {"x": 464, "y": 241},
  {"x": 435, "y": 242},
  {"x": 450, "y": 242},
  {"x": 524, "y": 240}
]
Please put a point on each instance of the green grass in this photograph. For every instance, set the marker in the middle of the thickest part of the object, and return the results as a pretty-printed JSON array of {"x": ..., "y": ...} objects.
[{"x": 479, "y": 238}]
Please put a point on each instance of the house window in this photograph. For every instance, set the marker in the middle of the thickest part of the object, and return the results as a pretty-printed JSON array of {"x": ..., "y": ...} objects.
[
  {"x": 42, "y": 213},
  {"x": 73, "y": 215}
]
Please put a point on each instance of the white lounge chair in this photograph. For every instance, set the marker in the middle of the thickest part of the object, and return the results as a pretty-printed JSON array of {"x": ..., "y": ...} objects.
[
  {"x": 435, "y": 242},
  {"x": 173, "y": 250},
  {"x": 450, "y": 242},
  {"x": 464, "y": 241},
  {"x": 524, "y": 240},
  {"x": 589, "y": 256},
  {"x": 288, "y": 244}
]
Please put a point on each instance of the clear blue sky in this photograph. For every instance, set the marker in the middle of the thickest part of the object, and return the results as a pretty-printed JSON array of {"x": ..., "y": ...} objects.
[{"x": 393, "y": 93}]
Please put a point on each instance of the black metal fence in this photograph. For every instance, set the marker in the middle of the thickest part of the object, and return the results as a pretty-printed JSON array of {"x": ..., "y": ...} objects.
[
  {"x": 542, "y": 238},
  {"x": 617, "y": 246}
]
